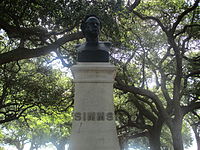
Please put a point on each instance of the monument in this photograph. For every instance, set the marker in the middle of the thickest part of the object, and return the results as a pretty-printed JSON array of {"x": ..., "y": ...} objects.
[{"x": 93, "y": 126}]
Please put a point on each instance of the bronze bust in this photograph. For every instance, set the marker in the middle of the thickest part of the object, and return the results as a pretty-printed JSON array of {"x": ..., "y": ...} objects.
[{"x": 92, "y": 50}]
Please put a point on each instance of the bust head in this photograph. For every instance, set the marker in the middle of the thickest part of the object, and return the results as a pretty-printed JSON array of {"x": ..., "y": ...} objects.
[
  {"x": 91, "y": 28},
  {"x": 93, "y": 50}
]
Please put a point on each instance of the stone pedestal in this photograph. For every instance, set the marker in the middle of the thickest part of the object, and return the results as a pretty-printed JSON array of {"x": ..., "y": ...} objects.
[{"x": 93, "y": 126}]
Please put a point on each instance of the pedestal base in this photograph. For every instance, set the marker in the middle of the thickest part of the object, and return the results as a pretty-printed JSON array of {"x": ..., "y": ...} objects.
[{"x": 94, "y": 126}]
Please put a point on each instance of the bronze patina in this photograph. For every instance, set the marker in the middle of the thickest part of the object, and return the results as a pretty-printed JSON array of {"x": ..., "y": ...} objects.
[{"x": 92, "y": 50}]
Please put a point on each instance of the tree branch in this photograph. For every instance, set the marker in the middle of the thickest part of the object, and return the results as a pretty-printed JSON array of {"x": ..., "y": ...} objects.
[
  {"x": 180, "y": 17},
  {"x": 134, "y": 5},
  {"x": 195, "y": 73},
  {"x": 137, "y": 135},
  {"x": 190, "y": 108},
  {"x": 150, "y": 104},
  {"x": 126, "y": 88},
  {"x": 22, "y": 32},
  {"x": 130, "y": 122},
  {"x": 144, "y": 111},
  {"x": 24, "y": 53},
  {"x": 143, "y": 17},
  {"x": 186, "y": 27},
  {"x": 163, "y": 76}
]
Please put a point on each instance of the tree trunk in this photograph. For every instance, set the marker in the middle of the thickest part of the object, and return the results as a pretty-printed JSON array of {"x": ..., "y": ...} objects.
[
  {"x": 177, "y": 135},
  {"x": 60, "y": 147},
  {"x": 154, "y": 136},
  {"x": 122, "y": 142},
  {"x": 197, "y": 133},
  {"x": 31, "y": 148},
  {"x": 154, "y": 142},
  {"x": 19, "y": 146},
  {"x": 61, "y": 144}
]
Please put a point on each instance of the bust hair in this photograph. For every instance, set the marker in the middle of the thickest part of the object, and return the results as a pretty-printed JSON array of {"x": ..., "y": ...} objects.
[{"x": 84, "y": 20}]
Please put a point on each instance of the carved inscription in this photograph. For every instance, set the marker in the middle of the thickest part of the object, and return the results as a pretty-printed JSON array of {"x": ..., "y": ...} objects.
[{"x": 93, "y": 116}]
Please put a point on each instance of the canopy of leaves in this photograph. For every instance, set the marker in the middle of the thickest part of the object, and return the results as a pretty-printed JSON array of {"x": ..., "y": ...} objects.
[{"x": 155, "y": 47}]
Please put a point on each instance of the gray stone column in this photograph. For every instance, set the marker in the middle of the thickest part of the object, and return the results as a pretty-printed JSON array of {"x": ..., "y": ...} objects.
[{"x": 93, "y": 126}]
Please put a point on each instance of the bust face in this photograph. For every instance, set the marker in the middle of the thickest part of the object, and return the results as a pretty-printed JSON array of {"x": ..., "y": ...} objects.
[{"x": 92, "y": 27}]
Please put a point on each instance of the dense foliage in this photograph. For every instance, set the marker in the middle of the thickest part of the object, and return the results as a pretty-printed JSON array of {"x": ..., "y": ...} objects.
[{"x": 155, "y": 47}]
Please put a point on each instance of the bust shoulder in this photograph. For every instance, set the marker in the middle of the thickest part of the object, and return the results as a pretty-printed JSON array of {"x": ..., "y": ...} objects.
[{"x": 101, "y": 45}]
